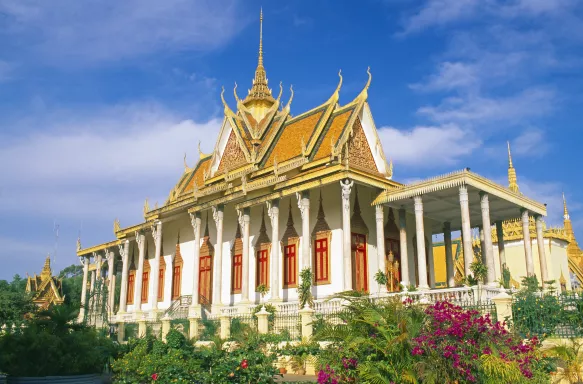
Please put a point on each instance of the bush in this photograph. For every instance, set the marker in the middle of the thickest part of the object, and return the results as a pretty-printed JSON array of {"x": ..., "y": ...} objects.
[
  {"x": 461, "y": 346},
  {"x": 371, "y": 342},
  {"x": 52, "y": 345},
  {"x": 178, "y": 361}
]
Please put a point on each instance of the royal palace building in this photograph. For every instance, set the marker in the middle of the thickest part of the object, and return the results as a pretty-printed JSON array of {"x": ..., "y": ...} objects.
[{"x": 282, "y": 192}]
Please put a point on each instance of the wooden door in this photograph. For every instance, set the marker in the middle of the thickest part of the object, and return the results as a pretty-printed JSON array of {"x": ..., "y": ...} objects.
[
  {"x": 262, "y": 276},
  {"x": 205, "y": 279},
  {"x": 360, "y": 263}
]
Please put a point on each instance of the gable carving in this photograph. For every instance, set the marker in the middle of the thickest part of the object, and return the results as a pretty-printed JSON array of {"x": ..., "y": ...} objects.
[
  {"x": 233, "y": 156},
  {"x": 359, "y": 152}
]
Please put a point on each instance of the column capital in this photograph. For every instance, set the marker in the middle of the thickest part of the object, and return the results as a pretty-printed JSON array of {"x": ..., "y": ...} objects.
[
  {"x": 463, "y": 193},
  {"x": 156, "y": 230},
  {"x": 217, "y": 213},
  {"x": 139, "y": 237},
  {"x": 379, "y": 212},
  {"x": 195, "y": 221},
  {"x": 346, "y": 185},
  {"x": 303, "y": 202},
  {"x": 272, "y": 208},
  {"x": 483, "y": 193},
  {"x": 418, "y": 201},
  {"x": 523, "y": 211}
]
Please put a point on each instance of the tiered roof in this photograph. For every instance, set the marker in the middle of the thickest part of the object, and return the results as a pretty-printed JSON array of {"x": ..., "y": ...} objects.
[{"x": 46, "y": 288}]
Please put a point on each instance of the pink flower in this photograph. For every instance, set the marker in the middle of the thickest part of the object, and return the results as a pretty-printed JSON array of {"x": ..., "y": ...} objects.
[{"x": 154, "y": 376}]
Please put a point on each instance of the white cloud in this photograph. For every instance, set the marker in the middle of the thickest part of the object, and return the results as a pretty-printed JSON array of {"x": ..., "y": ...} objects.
[
  {"x": 92, "y": 164},
  {"x": 440, "y": 12},
  {"x": 531, "y": 142},
  {"x": 106, "y": 30},
  {"x": 450, "y": 75},
  {"x": 431, "y": 146},
  {"x": 477, "y": 109}
]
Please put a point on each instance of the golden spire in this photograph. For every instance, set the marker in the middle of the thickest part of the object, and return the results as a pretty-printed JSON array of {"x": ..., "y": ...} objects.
[
  {"x": 512, "y": 181},
  {"x": 259, "y": 92},
  {"x": 565, "y": 211}
]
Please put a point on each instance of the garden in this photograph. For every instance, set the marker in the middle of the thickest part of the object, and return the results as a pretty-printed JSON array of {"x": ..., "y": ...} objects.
[{"x": 388, "y": 340}]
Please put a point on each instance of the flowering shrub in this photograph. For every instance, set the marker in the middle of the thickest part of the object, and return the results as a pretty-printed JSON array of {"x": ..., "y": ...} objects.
[
  {"x": 460, "y": 346},
  {"x": 371, "y": 342},
  {"x": 150, "y": 360}
]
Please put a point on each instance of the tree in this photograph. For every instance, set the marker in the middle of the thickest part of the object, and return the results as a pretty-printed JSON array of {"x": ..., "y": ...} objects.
[{"x": 15, "y": 303}]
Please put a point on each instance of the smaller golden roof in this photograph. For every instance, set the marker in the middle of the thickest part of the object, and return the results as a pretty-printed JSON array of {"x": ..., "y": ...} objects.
[{"x": 46, "y": 288}]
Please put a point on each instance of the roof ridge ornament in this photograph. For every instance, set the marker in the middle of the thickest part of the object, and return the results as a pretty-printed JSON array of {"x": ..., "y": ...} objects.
[
  {"x": 287, "y": 106},
  {"x": 512, "y": 179}
]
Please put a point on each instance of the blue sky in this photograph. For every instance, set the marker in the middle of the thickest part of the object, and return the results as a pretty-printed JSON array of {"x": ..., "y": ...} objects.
[{"x": 99, "y": 100}]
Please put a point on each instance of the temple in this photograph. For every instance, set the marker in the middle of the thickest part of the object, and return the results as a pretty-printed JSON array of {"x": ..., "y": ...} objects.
[
  {"x": 46, "y": 289},
  {"x": 280, "y": 193}
]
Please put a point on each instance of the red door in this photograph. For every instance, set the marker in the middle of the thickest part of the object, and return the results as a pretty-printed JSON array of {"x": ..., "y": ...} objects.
[
  {"x": 205, "y": 279},
  {"x": 360, "y": 264}
]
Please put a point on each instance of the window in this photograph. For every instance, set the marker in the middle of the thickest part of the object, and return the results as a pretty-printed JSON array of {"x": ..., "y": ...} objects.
[
  {"x": 131, "y": 287},
  {"x": 237, "y": 273},
  {"x": 290, "y": 266},
  {"x": 322, "y": 260},
  {"x": 262, "y": 276},
  {"x": 176, "y": 281},
  {"x": 161, "y": 272},
  {"x": 145, "y": 286}
]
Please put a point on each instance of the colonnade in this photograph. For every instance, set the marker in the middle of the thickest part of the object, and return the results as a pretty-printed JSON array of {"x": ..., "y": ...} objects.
[{"x": 303, "y": 201}]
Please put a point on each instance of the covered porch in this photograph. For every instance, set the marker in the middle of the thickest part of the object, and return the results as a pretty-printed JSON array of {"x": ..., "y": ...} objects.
[{"x": 459, "y": 201}]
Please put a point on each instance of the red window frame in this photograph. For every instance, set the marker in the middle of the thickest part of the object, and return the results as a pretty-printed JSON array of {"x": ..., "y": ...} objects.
[
  {"x": 204, "y": 285},
  {"x": 161, "y": 273},
  {"x": 176, "y": 281},
  {"x": 322, "y": 260},
  {"x": 262, "y": 275},
  {"x": 290, "y": 266},
  {"x": 131, "y": 288},
  {"x": 145, "y": 286},
  {"x": 237, "y": 274}
]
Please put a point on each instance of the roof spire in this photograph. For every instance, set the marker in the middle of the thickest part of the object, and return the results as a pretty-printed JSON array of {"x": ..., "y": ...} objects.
[
  {"x": 512, "y": 180},
  {"x": 565, "y": 211},
  {"x": 259, "y": 92},
  {"x": 260, "y": 61}
]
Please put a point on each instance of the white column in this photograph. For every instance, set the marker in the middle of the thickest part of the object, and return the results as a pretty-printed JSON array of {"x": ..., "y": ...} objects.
[
  {"x": 421, "y": 257},
  {"x": 111, "y": 280},
  {"x": 482, "y": 245},
  {"x": 501, "y": 250},
  {"x": 403, "y": 245},
  {"x": 218, "y": 268},
  {"x": 449, "y": 262},
  {"x": 304, "y": 206},
  {"x": 244, "y": 221},
  {"x": 487, "y": 230},
  {"x": 273, "y": 212},
  {"x": 380, "y": 218},
  {"x": 346, "y": 234},
  {"x": 155, "y": 268},
  {"x": 541, "y": 249},
  {"x": 196, "y": 222},
  {"x": 141, "y": 241},
  {"x": 466, "y": 230},
  {"x": 124, "y": 251},
  {"x": 85, "y": 262},
  {"x": 527, "y": 243},
  {"x": 98, "y": 265},
  {"x": 91, "y": 291}
]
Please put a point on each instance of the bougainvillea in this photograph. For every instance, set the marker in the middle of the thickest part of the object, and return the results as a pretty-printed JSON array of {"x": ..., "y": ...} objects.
[{"x": 461, "y": 346}]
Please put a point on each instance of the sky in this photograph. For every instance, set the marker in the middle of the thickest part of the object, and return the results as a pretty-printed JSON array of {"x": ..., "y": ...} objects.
[{"x": 100, "y": 100}]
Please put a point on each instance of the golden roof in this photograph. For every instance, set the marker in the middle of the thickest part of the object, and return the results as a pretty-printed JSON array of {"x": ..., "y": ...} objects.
[
  {"x": 512, "y": 180},
  {"x": 46, "y": 288}
]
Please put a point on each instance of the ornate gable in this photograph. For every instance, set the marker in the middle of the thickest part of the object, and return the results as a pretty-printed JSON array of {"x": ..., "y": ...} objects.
[
  {"x": 359, "y": 152},
  {"x": 233, "y": 157}
]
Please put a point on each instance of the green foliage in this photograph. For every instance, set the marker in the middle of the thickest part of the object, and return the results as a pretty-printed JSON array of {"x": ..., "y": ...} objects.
[
  {"x": 53, "y": 344},
  {"x": 506, "y": 277},
  {"x": 210, "y": 329},
  {"x": 534, "y": 313},
  {"x": 381, "y": 278},
  {"x": 177, "y": 361},
  {"x": 15, "y": 303},
  {"x": 570, "y": 360},
  {"x": 269, "y": 308},
  {"x": 371, "y": 341},
  {"x": 305, "y": 288},
  {"x": 301, "y": 353},
  {"x": 479, "y": 269}
]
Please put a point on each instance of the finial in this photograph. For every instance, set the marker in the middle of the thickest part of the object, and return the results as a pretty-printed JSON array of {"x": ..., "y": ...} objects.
[
  {"x": 340, "y": 82},
  {"x": 146, "y": 206},
  {"x": 369, "y": 78},
  {"x": 280, "y": 91},
  {"x": 291, "y": 89},
  {"x": 260, "y": 61},
  {"x": 235, "y": 93},
  {"x": 200, "y": 154},
  {"x": 223, "y": 97},
  {"x": 509, "y": 156},
  {"x": 116, "y": 226},
  {"x": 390, "y": 173},
  {"x": 79, "y": 243},
  {"x": 565, "y": 211},
  {"x": 185, "y": 165}
]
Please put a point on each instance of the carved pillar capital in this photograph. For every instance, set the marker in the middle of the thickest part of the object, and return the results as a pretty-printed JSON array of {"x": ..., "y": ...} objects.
[
  {"x": 346, "y": 186},
  {"x": 139, "y": 238},
  {"x": 272, "y": 210},
  {"x": 303, "y": 202},
  {"x": 217, "y": 213},
  {"x": 379, "y": 213},
  {"x": 195, "y": 221},
  {"x": 418, "y": 201},
  {"x": 463, "y": 194}
]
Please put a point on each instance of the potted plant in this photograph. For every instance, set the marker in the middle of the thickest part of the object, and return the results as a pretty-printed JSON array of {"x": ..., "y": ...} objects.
[
  {"x": 300, "y": 354},
  {"x": 305, "y": 296},
  {"x": 381, "y": 279},
  {"x": 262, "y": 290}
]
